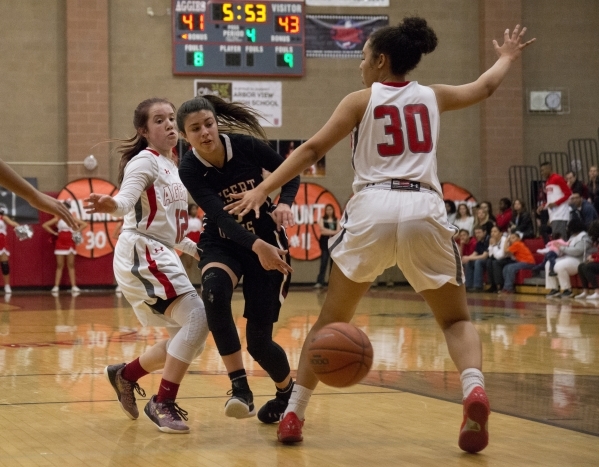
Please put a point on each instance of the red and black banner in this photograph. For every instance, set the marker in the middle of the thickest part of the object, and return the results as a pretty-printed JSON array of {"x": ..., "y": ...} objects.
[{"x": 340, "y": 36}]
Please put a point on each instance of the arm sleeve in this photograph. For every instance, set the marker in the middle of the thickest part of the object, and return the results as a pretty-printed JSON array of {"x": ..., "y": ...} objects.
[
  {"x": 187, "y": 246},
  {"x": 579, "y": 248},
  {"x": 140, "y": 173},
  {"x": 270, "y": 160},
  {"x": 206, "y": 198},
  {"x": 561, "y": 182}
]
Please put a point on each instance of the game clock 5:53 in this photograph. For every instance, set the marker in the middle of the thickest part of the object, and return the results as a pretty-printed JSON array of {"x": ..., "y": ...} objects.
[{"x": 247, "y": 12}]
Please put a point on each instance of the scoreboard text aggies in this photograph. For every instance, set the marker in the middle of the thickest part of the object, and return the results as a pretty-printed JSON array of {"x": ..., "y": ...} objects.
[{"x": 212, "y": 37}]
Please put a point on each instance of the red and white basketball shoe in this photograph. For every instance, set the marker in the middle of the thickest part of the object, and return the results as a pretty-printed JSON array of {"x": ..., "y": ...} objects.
[
  {"x": 290, "y": 429},
  {"x": 474, "y": 434}
]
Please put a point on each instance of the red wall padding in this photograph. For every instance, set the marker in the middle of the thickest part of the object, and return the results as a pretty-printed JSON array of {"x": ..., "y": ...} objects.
[{"x": 32, "y": 262}]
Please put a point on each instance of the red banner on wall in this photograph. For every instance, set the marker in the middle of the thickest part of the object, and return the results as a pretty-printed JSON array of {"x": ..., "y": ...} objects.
[{"x": 307, "y": 209}]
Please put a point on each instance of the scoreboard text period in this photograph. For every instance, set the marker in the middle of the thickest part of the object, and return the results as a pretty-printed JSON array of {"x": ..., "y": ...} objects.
[{"x": 242, "y": 38}]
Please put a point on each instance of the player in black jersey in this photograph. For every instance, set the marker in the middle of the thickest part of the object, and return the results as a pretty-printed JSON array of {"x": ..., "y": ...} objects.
[{"x": 218, "y": 165}]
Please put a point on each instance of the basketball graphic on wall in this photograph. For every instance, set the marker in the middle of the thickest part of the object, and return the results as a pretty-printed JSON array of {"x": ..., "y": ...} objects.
[
  {"x": 307, "y": 209},
  {"x": 99, "y": 237}
]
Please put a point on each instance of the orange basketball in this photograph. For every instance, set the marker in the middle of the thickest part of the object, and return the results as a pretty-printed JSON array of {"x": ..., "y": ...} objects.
[{"x": 340, "y": 354}]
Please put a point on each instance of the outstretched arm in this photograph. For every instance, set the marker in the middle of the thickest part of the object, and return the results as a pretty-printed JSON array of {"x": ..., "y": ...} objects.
[
  {"x": 459, "y": 97},
  {"x": 346, "y": 116},
  {"x": 12, "y": 181}
]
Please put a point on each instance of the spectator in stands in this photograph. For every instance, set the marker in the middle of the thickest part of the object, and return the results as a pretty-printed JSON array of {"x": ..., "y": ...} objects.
[
  {"x": 488, "y": 208},
  {"x": 521, "y": 220},
  {"x": 579, "y": 246},
  {"x": 551, "y": 251},
  {"x": 496, "y": 260},
  {"x": 483, "y": 219},
  {"x": 542, "y": 218},
  {"x": 589, "y": 269},
  {"x": 593, "y": 188},
  {"x": 464, "y": 219},
  {"x": 476, "y": 262},
  {"x": 523, "y": 259},
  {"x": 451, "y": 211},
  {"x": 558, "y": 192},
  {"x": 582, "y": 209},
  {"x": 504, "y": 217},
  {"x": 576, "y": 185},
  {"x": 466, "y": 243}
]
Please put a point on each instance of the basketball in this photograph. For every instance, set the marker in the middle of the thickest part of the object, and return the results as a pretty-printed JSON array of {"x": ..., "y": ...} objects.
[{"x": 340, "y": 354}]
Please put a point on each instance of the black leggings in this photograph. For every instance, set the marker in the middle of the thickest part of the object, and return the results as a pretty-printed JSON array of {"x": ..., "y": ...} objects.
[
  {"x": 588, "y": 274},
  {"x": 217, "y": 292}
]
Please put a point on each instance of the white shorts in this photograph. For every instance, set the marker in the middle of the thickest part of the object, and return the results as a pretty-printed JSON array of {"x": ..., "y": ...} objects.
[
  {"x": 4, "y": 251},
  {"x": 70, "y": 251},
  {"x": 149, "y": 272},
  {"x": 383, "y": 227}
]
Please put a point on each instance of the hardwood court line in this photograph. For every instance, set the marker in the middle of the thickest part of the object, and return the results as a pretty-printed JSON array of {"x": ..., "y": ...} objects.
[{"x": 225, "y": 396}]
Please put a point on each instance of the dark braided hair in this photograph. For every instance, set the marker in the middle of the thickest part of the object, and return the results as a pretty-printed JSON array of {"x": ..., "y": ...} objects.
[
  {"x": 230, "y": 116},
  {"x": 133, "y": 146},
  {"x": 404, "y": 44}
]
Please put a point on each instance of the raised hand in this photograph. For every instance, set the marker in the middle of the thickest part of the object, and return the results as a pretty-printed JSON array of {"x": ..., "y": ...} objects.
[
  {"x": 512, "y": 44},
  {"x": 99, "y": 203}
]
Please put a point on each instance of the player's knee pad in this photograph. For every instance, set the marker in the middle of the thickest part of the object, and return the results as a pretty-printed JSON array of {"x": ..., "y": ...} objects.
[
  {"x": 189, "y": 341},
  {"x": 217, "y": 291},
  {"x": 269, "y": 355},
  {"x": 5, "y": 268}
]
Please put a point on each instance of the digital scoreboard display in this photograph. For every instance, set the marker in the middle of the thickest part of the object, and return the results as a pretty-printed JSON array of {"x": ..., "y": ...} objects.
[{"x": 212, "y": 37}]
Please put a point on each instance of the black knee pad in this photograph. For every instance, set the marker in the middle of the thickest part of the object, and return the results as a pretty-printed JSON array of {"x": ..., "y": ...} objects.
[
  {"x": 217, "y": 291},
  {"x": 5, "y": 268},
  {"x": 269, "y": 355}
]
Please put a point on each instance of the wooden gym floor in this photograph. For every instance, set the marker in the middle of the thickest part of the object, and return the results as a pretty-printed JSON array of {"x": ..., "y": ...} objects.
[{"x": 541, "y": 368}]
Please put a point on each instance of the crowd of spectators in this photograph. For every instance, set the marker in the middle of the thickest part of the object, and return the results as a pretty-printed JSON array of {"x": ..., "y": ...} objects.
[{"x": 566, "y": 218}]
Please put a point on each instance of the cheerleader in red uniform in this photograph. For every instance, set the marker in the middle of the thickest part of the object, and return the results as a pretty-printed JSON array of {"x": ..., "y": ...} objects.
[
  {"x": 65, "y": 247},
  {"x": 4, "y": 253}
]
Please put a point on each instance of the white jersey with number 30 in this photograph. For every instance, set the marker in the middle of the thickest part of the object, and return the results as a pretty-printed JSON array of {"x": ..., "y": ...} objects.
[{"x": 397, "y": 138}]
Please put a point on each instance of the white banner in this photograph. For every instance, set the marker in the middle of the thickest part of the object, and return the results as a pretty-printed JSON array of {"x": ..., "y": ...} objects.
[
  {"x": 347, "y": 2},
  {"x": 263, "y": 96}
]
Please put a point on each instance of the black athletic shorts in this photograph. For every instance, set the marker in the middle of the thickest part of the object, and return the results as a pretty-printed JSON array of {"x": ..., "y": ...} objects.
[{"x": 264, "y": 291}]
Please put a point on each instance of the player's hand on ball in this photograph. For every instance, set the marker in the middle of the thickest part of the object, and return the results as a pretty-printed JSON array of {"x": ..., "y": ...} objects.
[
  {"x": 99, "y": 203},
  {"x": 271, "y": 257}
]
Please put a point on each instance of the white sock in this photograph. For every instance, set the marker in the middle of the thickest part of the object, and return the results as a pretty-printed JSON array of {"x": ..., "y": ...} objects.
[
  {"x": 470, "y": 378},
  {"x": 298, "y": 402}
]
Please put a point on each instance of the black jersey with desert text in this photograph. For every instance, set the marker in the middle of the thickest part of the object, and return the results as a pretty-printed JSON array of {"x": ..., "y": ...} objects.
[{"x": 211, "y": 187}]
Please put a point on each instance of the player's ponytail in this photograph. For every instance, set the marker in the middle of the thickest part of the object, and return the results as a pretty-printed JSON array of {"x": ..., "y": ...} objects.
[
  {"x": 131, "y": 147},
  {"x": 404, "y": 44},
  {"x": 230, "y": 116}
]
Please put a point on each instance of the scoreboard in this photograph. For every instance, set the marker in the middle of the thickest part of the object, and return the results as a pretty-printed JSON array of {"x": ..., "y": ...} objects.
[{"x": 240, "y": 38}]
